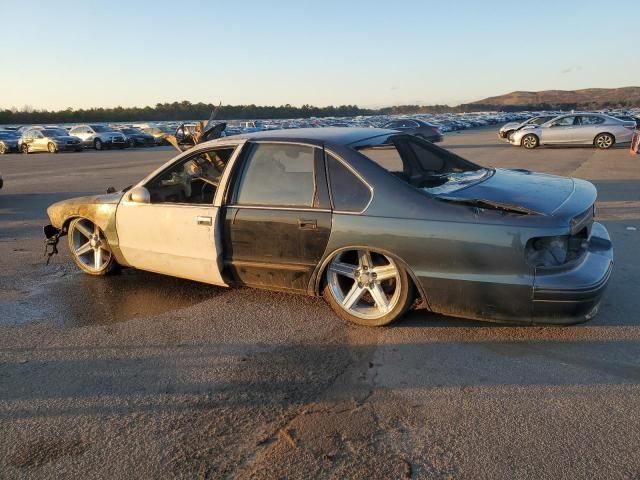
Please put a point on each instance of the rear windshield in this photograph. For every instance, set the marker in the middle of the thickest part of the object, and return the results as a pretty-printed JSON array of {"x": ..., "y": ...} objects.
[{"x": 424, "y": 165}]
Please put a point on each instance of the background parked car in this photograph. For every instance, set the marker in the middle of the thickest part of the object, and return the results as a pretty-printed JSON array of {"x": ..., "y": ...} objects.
[
  {"x": 136, "y": 138},
  {"x": 8, "y": 141},
  {"x": 158, "y": 132},
  {"x": 416, "y": 127},
  {"x": 50, "y": 140},
  {"x": 99, "y": 136},
  {"x": 511, "y": 127},
  {"x": 596, "y": 129}
]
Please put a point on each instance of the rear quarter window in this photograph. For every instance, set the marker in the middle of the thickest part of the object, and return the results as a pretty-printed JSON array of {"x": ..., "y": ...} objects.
[{"x": 348, "y": 192}]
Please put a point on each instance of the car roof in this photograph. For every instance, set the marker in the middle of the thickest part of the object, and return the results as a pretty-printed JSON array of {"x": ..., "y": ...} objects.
[{"x": 335, "y": 135}]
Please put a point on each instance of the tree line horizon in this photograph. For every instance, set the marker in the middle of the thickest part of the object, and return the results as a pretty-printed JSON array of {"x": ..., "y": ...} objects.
[{"x": 185, "y": 110}]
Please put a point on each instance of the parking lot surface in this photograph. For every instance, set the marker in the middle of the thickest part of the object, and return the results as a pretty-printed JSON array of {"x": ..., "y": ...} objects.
[{"x": 142, "y": 376}]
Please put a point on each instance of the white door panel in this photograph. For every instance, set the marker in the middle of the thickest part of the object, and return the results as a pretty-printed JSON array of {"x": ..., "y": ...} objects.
[{"x": 173, "y": 239}]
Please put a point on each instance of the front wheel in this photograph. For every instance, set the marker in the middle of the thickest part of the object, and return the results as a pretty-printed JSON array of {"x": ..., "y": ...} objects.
[
  {"x": 3, "y": 149},
  {"x": 604, "y": 141},
  {"x": 367, "y": 288},
  {"x": 530, "y": 141},
  {"x": 89, "y": 247},
  {"x": 51, "y": 147}
]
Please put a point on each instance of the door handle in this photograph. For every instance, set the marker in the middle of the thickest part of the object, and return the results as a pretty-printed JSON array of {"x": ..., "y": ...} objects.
[
  {"x": 307, "y": 224},
  {"x": 204, "y": 220}
]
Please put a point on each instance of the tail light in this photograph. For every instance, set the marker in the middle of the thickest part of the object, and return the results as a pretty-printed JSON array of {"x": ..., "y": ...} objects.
[{"x": 435, "y": 130}]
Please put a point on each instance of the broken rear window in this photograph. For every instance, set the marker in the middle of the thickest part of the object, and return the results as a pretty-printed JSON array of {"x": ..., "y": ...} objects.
[{"x": 424, "y": 165}]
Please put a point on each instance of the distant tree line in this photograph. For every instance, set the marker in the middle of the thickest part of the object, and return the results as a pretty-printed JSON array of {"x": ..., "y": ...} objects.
[
  {"x": 186, "y": 110},
  {"x": 177, "y": 111}
]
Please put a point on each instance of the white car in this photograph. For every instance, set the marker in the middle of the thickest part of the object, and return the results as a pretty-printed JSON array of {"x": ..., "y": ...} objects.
[
  {"x": 599, "y": 130},
  {"x": 99, "y": 136}
]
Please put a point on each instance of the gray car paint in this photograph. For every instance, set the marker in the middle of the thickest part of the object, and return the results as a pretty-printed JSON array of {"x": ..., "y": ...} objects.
[{"x": 465, "y": 261}]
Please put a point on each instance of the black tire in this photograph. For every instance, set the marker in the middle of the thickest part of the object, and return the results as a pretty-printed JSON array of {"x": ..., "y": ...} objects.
[
  {"x": 51, "y": 147},
  {"x": 530, "y": 141},
  {"x": 24, "y": 148},
  {"x": 3, "y": 149},
  {"x": 604, "y": 141},
  {"x": 405, "y": 301},
  {"x": 132, "y": 143},
  {"x": 98, "y": 144}
]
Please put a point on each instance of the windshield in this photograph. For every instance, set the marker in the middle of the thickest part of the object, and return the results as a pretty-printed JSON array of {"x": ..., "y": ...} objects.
[
  {"x": 55, "y": 132},
  {"x": 101, "y": 128}
]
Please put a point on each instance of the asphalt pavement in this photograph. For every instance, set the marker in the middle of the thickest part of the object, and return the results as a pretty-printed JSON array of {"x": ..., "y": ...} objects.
[{"x": 138, "y": 375}]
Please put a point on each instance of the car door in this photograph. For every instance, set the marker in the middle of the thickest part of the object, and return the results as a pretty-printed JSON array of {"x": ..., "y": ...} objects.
[
  {"x": 176, "y": 232},
  {"x": 39, "y": 142},
  {"x": 588, "y": 128},
  {"x": 561, "y": 130},
  {"x": 278, "y": 222}
]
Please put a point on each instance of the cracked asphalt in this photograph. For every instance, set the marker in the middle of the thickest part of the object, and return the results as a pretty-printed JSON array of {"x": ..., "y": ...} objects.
[{"x": 142, "y": 376}]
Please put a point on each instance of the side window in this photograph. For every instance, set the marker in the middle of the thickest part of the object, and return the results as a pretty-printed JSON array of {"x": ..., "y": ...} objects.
[
  {"x": 348, "y": 192},
  {"x": 591, "y": 120},
  {"x": 278, "y": 175},
  {"x": 193, "y": 180},
  {"x": 564, "y": 122}
]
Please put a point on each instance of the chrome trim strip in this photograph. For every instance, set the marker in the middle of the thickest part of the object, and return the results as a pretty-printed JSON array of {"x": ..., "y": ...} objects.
[{"x": 296, "y": 209}]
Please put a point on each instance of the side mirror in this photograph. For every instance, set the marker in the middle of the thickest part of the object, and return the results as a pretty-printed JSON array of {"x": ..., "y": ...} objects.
[{"x": 139, "y": 195}]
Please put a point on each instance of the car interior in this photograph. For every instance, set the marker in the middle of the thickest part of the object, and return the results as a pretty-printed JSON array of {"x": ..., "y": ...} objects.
[{"x": 193, "y": 180}]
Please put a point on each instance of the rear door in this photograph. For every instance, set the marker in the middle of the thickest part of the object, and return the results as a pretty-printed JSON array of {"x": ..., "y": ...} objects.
[
  {"x": 589, "y": 127},
  {"x": 278, "y": 220}
]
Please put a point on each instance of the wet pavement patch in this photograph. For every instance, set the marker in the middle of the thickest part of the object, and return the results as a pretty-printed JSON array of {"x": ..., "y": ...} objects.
[
  {"x": 76, "y": 299},
  {"x": 42, "y": 451}
]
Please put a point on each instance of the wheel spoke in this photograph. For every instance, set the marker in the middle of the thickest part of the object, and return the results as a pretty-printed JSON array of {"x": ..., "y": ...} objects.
[
  {"x": 84, "y": 249},
  {"x": 354, "y": 295},
  {"x": 96, "y": 230},
  {"x": 382, "y": 303},
  {"x": 83, "y": 230},
  {"x": 385, "y": 272},
  {"x": 97, "y": 258},
  {"x": 343, "y": 269},
  {"x": 364, "y": 259}
]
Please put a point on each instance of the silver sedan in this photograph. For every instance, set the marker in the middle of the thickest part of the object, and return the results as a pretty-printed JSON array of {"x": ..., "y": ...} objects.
[{"x": 599, "y": 130}]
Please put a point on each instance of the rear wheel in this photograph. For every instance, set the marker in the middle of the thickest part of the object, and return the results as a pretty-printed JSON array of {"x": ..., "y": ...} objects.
[
  {"x": 367, "y": 287},
  {"x": 604, "y": 141},
  {"x": 3, "y": 149},
  {"x": 97, "y": 144},
  {"x": 51, "y": 147},
  {"x": 89, "y": 247},
  {"x": 530, "y": 141},
  {"x": 24, "y": 148}
]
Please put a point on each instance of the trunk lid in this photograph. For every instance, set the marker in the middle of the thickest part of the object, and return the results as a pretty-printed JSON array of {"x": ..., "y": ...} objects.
[{"x": 541, "y": 193}]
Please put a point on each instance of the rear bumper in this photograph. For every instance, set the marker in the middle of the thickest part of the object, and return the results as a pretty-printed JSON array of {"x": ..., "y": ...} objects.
[{"x": 573, "y": 295}]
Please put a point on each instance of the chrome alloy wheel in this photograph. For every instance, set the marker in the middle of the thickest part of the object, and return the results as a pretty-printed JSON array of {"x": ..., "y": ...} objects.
[
  {"x": 365, "y": 284},
  {"x": 604, "y": 141},
  {"x": 89, "y": 246},
  {"x": 529, "y": 141}
]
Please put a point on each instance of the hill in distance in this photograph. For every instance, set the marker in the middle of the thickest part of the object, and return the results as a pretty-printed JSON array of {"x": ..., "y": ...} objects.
[{"x": 593, "y": 98}]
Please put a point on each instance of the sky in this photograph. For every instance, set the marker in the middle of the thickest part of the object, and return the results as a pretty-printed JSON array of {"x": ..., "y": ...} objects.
[{"x": 323, "y": 52}]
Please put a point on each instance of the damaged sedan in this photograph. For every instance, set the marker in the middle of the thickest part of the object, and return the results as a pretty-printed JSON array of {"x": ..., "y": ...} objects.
[{"x": 374, "y": 220}]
